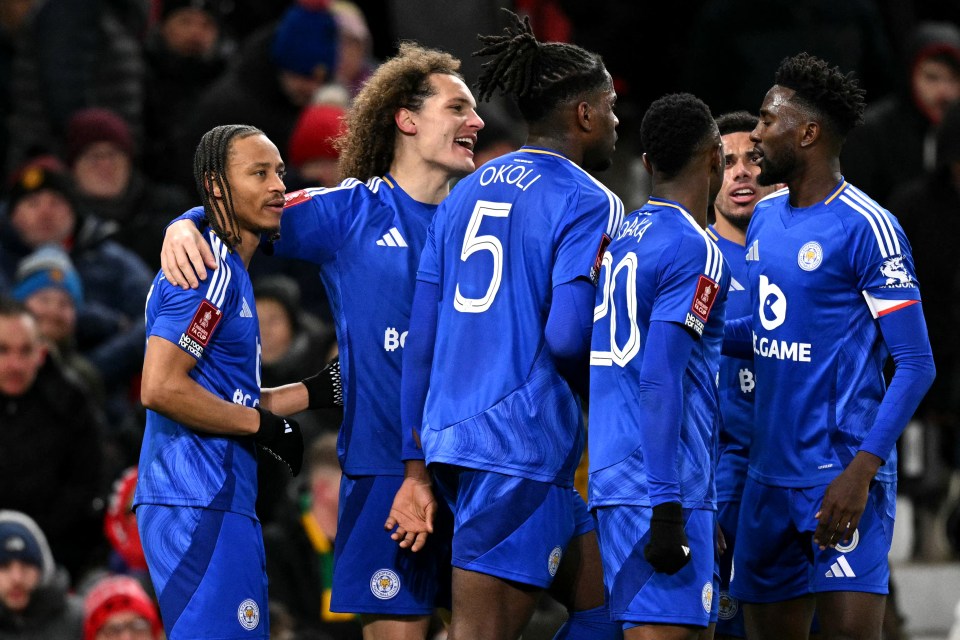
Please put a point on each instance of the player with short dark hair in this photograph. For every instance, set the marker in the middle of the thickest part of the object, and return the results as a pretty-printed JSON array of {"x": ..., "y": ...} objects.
[
  {"x": 206, "y": 413},
  {"x": 834, "y": 293},
  {"x": 504, "y": 298},
  {"x": 733, "y": 208},
  {"x": 654, "y": 412},
  {"x": 410, "y": 130}
]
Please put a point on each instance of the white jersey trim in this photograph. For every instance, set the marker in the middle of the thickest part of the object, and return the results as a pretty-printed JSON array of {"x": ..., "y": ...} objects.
[
  {"x": 878, "y": 219},
  {"x": 217, "y": 289}
]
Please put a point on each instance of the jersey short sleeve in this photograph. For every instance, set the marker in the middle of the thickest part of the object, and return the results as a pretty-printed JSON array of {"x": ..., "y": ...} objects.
[
  {"x": 688, "y": 284},
  {"x": 316, "y": 222},
  {"x": 189, "y": 318},
  {"x": 583, "y": 236},
  {"x": 881, "y": 255}
]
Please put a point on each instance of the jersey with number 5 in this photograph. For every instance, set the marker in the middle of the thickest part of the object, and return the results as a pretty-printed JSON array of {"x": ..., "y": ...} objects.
[
  {"x": 502, "y": 240},
  {"x": 660, "y": 266}
]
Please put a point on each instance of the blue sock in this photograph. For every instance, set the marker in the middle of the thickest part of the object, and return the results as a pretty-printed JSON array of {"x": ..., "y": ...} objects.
[{"x": 592, "y": 624}]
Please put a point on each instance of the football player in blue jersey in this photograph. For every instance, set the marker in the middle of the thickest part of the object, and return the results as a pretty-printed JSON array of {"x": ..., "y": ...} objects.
[
  {"x": 733, "y": 208},
  {"x": 833, "y": 295},
  {"x": 504, "y": 299},
  {"x": 654, "y": 414},
  {"x": 410, "y": 131},
  {"x": 206, "y": 413}
]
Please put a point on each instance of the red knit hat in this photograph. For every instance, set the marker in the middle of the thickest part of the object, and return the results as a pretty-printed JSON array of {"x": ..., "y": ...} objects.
[
  {"x": 116, "y": 594},
  {"x": 95, "y": 124},
  {"x": 313, "y": 135}
]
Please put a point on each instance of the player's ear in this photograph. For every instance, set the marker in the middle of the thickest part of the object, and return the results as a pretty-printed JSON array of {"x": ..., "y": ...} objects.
[
  {"x": 809, "y": 133},
  {"x": 585, "y": 116},
  {"x": 646, "y": 163},
  {"x": 405, "y": 121},
  {"x": 212, "y": 186}
]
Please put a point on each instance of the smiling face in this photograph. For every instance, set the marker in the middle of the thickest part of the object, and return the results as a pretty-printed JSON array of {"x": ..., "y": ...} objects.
[
  {"x": 740, "y": 190},
  {"x": 775, "y": 137},
  {"x": 255, "y": 174},
  {"x": 446, "y": 126}
]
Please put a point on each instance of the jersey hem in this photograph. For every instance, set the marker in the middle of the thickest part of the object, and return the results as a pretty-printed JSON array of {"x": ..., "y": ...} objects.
[{"x": 485, "y": 465}]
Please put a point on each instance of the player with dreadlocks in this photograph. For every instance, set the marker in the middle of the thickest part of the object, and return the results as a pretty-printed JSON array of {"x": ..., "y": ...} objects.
[
  {"x": 410, "y": 131},
  {"x": 505, "y": 299},
  {"x": 206, "y": 414},
  {"x": 833, "y": 293}
]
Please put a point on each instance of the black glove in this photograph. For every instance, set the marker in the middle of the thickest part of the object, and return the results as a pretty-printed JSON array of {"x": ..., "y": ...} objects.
[
  {"x": 324, "y": 389},
  {"x": 281, "y": 438},
  {"x": 668, "y": 550}
]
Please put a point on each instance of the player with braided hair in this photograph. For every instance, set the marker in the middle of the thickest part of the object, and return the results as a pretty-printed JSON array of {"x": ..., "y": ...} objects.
[
  {"x": 833, "y": 294},
  {"x": 206, "y": 414},
  {"x": 504, "y": 298},
  {"x": 410, "y": 131}
]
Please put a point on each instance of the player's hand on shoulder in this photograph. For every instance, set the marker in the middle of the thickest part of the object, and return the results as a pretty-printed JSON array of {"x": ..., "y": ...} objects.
[
  {"x": 412, "y": 513},
  {"x": 280, "y": 437},
  {"x": 184, "y": 255},
  {"x": 668, "y": 550}
]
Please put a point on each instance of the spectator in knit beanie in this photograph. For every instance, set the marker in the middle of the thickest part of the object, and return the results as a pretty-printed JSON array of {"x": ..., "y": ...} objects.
[
  {"x": 34, "y": 603},
  {"x": 103, "y": 159},
  {"x": 100, "y": 151},
  {"x": 49, "y": 286},
  {"x": 116, "y": 604},
  {"x": 304, "y": 49},
  {"x": 313, "y": 154}
]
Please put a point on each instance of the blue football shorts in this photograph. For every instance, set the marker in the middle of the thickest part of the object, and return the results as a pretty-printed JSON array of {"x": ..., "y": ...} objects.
[
  {"x": 776, "y": 558},
  {"x": 638, "y": 594},
  {"x": 510, "y": 527},
  {"x": 371, "y": 573},
  {"x": 209, "y": 571}
]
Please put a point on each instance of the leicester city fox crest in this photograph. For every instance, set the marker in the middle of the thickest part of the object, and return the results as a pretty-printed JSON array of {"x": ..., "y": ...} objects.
[{"x": 385, "y": 584}]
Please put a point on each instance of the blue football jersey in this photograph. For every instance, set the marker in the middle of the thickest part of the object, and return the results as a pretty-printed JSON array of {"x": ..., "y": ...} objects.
[
  {"x": 366, "y": 238},
  {"x": 216, "y": 324},
  {"x": 819, "y": 277},
  {"x": 736, "y": 382},
  {"x": 505, "y": 237},
  {"x": 660, "y": 266}
]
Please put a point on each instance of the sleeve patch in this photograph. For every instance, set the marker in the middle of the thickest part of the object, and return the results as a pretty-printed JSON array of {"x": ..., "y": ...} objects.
[
  {"x": 296, "y": 197},
  {"x": 895, "y": 272},
  {"x": 704, "y": 298},
  {"x": 598, "y": 260},
  {"x": 204, "y": 321}
]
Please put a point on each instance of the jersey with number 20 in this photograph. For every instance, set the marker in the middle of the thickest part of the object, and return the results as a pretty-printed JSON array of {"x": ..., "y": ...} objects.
[
  {"x": 661, "y": 266},
  {"x": 508, "y": 234}
]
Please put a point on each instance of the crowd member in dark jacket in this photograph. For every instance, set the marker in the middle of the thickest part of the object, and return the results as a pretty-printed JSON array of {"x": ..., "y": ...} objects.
[
  {"x": 43, "y": 209},
  {"x": 185, "y": 54},
  {"x": 34, "y": 602},
  {"x": 896, "y": 142},
  {"x": 279, "y": 69},
  {"x": 103, "y": 158},
  {"x": 51, "y": 463}
]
